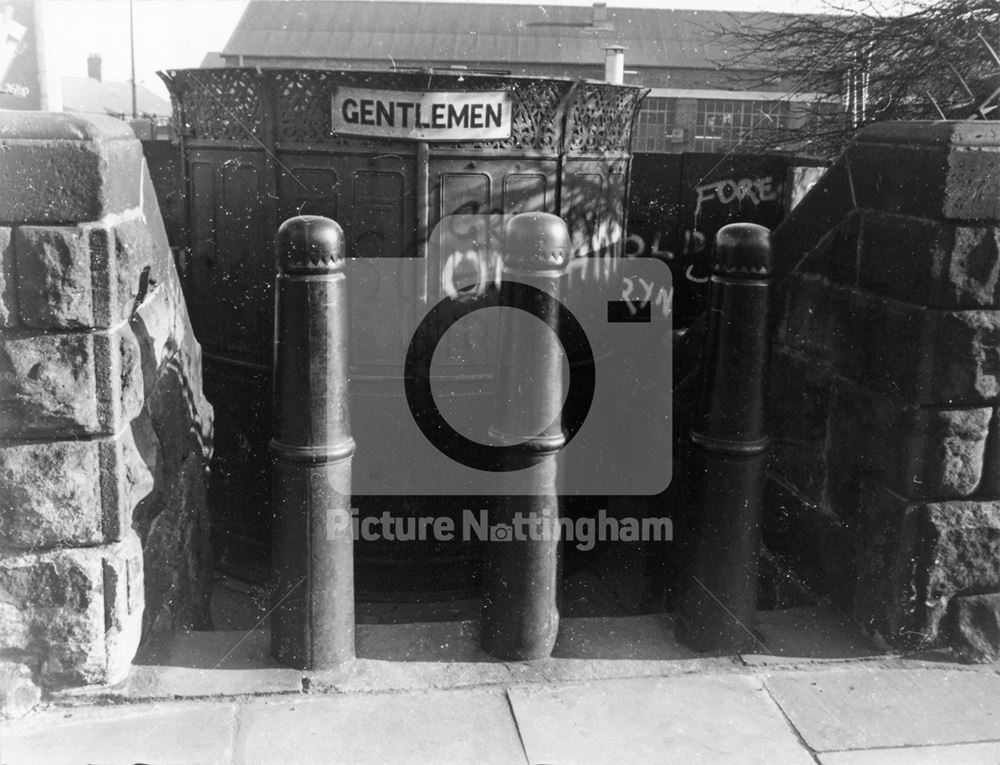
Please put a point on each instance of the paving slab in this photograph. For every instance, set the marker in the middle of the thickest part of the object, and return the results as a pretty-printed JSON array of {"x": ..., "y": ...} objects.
[
  {"x": 162, "y": 734},
  {"x": 813, "y": 633},
  {"x": 442, "y": 727},
  {"x": 864, "y": 707},
  {"x": 956, "y": 754},
  {"x": 657, "y": 720}
]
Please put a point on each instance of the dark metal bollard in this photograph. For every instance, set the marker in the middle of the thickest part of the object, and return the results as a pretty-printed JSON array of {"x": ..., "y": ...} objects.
[
  {"x": 312, "y": 625},
  {"x": 718, "y": 590},
  {"x": 521, "y": 578}
]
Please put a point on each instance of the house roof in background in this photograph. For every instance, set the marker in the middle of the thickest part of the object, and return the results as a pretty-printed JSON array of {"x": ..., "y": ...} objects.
[
  {"x": 87, "y": 95},
  {"x": 478, "y": 34},
  {"x": 213, "y": 59}
]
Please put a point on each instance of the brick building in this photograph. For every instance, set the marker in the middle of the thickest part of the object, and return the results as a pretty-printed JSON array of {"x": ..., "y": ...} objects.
[{"x": 694, "y": 104}]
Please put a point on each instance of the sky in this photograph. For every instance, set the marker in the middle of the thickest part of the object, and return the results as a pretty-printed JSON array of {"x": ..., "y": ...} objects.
[{"x": 174, "y": 34}]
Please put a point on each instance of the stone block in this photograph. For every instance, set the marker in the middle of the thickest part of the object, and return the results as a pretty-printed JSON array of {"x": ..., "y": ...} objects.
[
  {"x": 50, "y": 495},
  {"x": 798, "y": 413},
  {"x": 161, "y": 326},
  {"x": 152, "y": 206},
  {"x": 49, "y": 384},
  {"x": 819, "y": 546},
  {"x": 18, "y": 692},
  {"x": 84, "y": 276},
  {"x": 66, "y": 168},
  {"x": 134, "y": 260},
  {"x": 54, "y": 269},
  {"x": 124, "y": 602},
  {"x": 8, "y": 279},
  {"x": 173, "y": 522},
  {"x": 942, "y": 451},
  {"x": 961, "y": 550},
  {"x": 888, "y": 595},
  {"x": 60, "y": 597},
  {"x": 940, "y": 170},
  {"x": 70, "y": 493},
  {"x": 974, "y": 625},
  {"x": 948, "y": 171},
  {"x": 918, "y": 355},
  {"x": 961, "y": 354},
  {"x": 973, "y": 190},
  {"x": 835, "y": 256},
  {"x": 75, "y": 604},
  {"x": 849, "y": 449},
  {"x": 914, "y": 558},
  {"x": 64, "y": 384},
  {"x": 918, "y": 452},
  {"x": 907, "y": 179},
  {"x": 819, "y": 320},
  {"x": 940, "y": 265},
  {"x": 990, "y": 484}
]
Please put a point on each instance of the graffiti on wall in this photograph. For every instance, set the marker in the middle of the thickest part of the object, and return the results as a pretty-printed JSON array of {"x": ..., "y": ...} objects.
[
  {"x": 679, "y": 201},
  {"x": 730, "y": 191}
]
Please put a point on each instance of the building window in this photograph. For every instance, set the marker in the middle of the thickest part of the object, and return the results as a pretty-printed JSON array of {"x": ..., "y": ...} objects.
[
  {"x": 739, "y": 125},
  {"x": 654, "y": 129}
]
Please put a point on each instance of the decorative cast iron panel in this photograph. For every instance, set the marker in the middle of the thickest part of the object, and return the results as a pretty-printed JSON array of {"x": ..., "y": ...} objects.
[
  {"x": 550, "y": 115},
  {"x": 220, "y": 104},
  {"x": 600, "y": 118}
]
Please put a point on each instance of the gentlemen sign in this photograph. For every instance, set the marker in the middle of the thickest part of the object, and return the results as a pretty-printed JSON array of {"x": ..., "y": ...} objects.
[{"x": 437, "y": 116}]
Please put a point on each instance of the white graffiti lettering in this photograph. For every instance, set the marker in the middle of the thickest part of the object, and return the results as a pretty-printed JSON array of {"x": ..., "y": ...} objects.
[
  {"x": 756, "y": 190},
  {"x": 664, "y": 298}
]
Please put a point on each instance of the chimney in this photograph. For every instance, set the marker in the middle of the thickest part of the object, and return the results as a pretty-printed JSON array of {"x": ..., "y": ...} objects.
[
  {"x": 599, "y": 14},
  {"x": 614, "y": 64},
  {"x": 94, "y": 66}
]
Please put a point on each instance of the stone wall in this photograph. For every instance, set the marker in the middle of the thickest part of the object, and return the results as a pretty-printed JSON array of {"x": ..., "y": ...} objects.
[
  {"x": 884, "y": 484},
  {"x": 105, "y": 432}
]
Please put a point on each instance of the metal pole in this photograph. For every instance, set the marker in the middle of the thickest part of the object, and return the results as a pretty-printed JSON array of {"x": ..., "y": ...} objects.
[
  {"x": 312, "y": 626},
  {"x": 718, "y": 589},
  {"x": 521, "y": 579},
  {"x": 49, "y": 79},
  {"x": 131, "y": 38}
]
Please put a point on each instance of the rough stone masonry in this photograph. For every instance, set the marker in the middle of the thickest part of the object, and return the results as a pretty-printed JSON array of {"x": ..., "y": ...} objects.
[
  {"x": 884, "y": 482},
  {"x": 105, "y": 435}
]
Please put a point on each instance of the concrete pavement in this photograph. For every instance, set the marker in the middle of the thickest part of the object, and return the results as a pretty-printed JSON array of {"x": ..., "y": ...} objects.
[
  {"x": 853, "y": 713},
  {"x": 618, "y": 690}
]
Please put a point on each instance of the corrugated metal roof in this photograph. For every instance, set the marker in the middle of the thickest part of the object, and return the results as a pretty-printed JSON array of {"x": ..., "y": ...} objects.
[{"x": 477, "y": 34}]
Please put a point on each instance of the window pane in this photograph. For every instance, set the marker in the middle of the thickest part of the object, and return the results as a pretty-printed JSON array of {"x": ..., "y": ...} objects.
[
  {"x": 733, "y": 125},
  {"x": 654, "y": 126}
]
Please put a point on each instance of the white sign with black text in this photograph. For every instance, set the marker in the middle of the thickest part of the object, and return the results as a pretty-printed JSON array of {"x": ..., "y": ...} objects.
[{"x": 428, "y": 116}]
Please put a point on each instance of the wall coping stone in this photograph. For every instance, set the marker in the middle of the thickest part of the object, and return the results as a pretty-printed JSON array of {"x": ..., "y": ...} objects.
[
  {"x": 933, "y": 133},
  {"x": 17, "y": 126}
]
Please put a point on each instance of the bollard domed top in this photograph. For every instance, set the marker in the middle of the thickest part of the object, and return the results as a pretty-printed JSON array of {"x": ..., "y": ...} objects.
[
  {"x": 743, "y": 250},
  {"x": 536, "y": 242},
  {"x": 309, "y": 244}
]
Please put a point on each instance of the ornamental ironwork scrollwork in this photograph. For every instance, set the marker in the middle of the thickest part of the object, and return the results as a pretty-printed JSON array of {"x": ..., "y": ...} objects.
[
  {"x": 220, "y": 104},
  {"x": 302, "y": 110},
  {"x": 548, "y": 115},
  {"x": 600, "y": 118}
]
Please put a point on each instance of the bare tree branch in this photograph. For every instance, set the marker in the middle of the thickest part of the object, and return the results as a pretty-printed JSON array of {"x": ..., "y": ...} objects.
[{"x": 927, "y": 59}]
